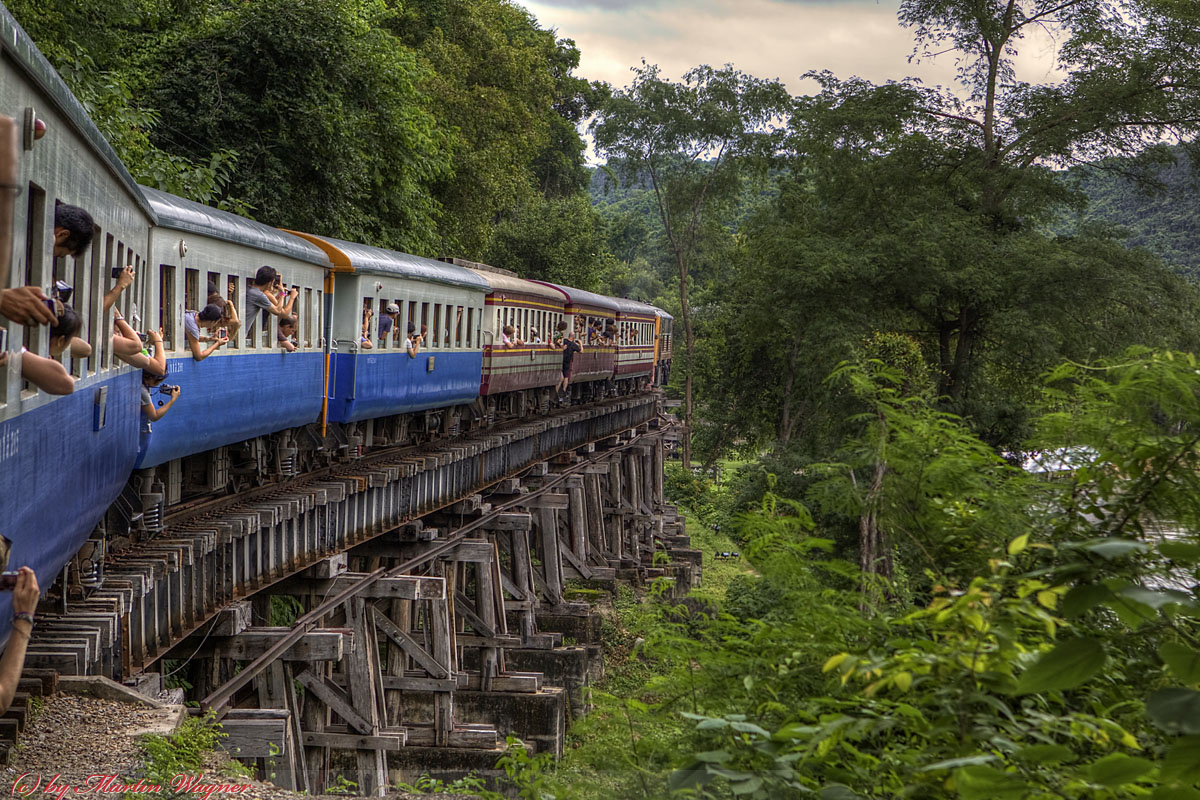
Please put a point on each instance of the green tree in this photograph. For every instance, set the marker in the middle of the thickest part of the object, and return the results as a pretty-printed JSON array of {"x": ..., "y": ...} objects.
[
  {"x": 324, "y": 108},
  {"x": 693, "y": 142},
  {"x": 551, "y": 239},
  {"x": 503, "y": 91},
  {"x": 1132, "y": 76}
]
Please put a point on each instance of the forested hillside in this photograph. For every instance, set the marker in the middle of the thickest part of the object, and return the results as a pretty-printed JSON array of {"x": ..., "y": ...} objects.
[{"x": 1160, "y": 215}]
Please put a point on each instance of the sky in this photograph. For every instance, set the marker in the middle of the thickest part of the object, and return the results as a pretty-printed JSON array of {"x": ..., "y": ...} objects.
[{"x": 767, "y": 38}]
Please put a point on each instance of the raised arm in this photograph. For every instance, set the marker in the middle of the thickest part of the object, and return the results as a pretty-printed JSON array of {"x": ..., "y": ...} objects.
[
  {"x": 124, "y": 281},
  {"x": 24, "y": 603}
]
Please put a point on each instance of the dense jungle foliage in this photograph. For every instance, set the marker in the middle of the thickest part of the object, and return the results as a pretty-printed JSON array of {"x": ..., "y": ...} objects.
[{"x": 945, "y": 333}]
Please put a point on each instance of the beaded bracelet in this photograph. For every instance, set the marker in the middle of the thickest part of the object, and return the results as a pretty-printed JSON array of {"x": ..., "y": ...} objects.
[{"x": 25, "y": 615}]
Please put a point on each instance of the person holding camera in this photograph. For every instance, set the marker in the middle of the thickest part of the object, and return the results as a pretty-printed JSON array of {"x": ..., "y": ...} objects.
[
  {"x": 268, "y": 296},
  {"x": 150, "y": 411},
  {"x": 24, "y": 603},
  {"x": 208, "y": 318},
  {"x": 414, "y": 340}
]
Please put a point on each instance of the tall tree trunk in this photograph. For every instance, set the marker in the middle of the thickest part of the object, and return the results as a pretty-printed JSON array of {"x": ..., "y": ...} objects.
[
  {"x": 787, "y": 419},
  {"x": 688, "y": 344}
]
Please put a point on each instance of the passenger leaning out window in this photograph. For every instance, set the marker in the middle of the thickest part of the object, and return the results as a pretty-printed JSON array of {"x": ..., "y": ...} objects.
[
  {"x": 208, "y": 318},
  {"x": 509, "y": 338},
  {"x": 414, "y": 340},
  {"x": 285, "y": 337},
  {"x": 267, "y": 296},
  {"x": 151, "y": 411}
]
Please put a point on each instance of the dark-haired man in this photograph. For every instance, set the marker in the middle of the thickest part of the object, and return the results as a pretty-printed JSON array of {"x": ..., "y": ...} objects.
[
  {"x": 73, "y": 229},
  {"x": 26, "y": 305},
  {"x": 261, "y": 297}
]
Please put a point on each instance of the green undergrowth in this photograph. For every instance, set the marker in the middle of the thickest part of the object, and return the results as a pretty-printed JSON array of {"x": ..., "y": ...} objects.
[{"x": 183, "y": 752}]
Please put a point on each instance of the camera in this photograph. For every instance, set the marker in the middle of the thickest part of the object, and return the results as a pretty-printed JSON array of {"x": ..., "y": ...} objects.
[
  {"x": 222, "y": 333},
  {"x": 116, "y": 272},
  {"x": 168, "y": 388},
  {"x": 8, "y": 580},
  {"x": 62, "y": 291},
  {"x": 145, "y": 337}
]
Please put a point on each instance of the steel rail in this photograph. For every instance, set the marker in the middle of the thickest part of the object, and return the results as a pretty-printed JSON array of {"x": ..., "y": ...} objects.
[{"x": 217, "y": 699}]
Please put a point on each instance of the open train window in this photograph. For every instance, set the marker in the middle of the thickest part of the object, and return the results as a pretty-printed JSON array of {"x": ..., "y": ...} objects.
[
  {"x": 424, "y": 326},
  {"x": 166, "y": 304},
  {"x": 306, "y": 322},
  {"x": 436, "y": 332},
  {"x": 229, "y": 290},
  {"x": 470, "y": 326},
  {"x": 94, "y": 319},
  {"x": 458, "y": 327},
  {"x": 35, "y": 235},
  {"x": 191, "y": 290}
]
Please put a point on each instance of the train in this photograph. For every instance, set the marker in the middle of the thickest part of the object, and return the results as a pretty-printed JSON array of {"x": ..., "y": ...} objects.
[{"x": 85, "y": 472}]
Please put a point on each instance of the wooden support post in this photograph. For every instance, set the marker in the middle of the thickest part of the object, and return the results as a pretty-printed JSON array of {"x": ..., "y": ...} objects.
[
  {"x": 485, "y": 606},
  {"x": 362, "y": 677},
  {"x": 551, "y": 558},
  {"x": 443, "y": 702},
  {"x": 314, "y": 718},
  {"x": 400, "y": 615},
  {"x": 523, "y": 577},
  {"x": 576, "y": 514}
]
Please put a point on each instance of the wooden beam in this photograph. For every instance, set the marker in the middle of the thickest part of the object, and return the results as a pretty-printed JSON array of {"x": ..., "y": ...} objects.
[
  {"x": 388, "y": 739},
  {"x": 336, "y": 699},
  {"x": 408, "y": 644},
  {"x": 510, "y": 521},
  {"x": 319, "y": 644},
  {"x": 403, "y": 587}
]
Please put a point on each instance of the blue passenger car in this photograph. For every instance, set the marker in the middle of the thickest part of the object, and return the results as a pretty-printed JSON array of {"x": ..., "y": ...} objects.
[
  {"x": 371, "y": 373},
  {"x": 63, "y": 459},
  {"x": 252, "y": 386}
]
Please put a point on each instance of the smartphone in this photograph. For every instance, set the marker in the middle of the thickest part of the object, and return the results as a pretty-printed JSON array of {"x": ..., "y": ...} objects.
[
  {"x": 8, "y": 580},
  {"x": 116, "y": 272}
]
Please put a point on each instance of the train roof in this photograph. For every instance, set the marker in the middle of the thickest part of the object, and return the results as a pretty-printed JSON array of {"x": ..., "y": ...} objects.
[
  {"x": 627, "y": 306},
  {"x": 353, "y": 257},
  {"x": 15, "y": 43},
  {"x": 510, "y": 284},
  {"x": 179, "y": 214},
  {"x": 580, "y": 297}
]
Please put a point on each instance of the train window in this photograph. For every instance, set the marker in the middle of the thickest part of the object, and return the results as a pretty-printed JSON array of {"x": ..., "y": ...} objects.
[
  {"x": 79, "y": 300},
  {"x": 458, "y": 328},
  {"x": 424, "y": 326},
  {"x": 368, "y": 319},
  {"x": 191, "y": 290},
  {"x": 252, "y": 318},
  {"x": 105, "y": 321},
  {"x": 230, "y": 292},
  {"x": 435, "y": 332},
  {"x": 470, "y": 326},
  {"x": 306, "y": 322},
  {"x": 35, "y": 234},
  {"x": 318, "y": 315},
  {"x": 166, "y": 304},
  {"x": 412, "y": 317},
  {"x": 95, "y": 281}
]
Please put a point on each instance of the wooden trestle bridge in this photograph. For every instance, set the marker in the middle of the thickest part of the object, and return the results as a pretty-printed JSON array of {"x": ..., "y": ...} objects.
[{"x": 433, "y": 589}]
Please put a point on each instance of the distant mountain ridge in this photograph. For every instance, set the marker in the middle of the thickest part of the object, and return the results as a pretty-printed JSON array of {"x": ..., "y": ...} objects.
[{"x": 1166, "y": 223}]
